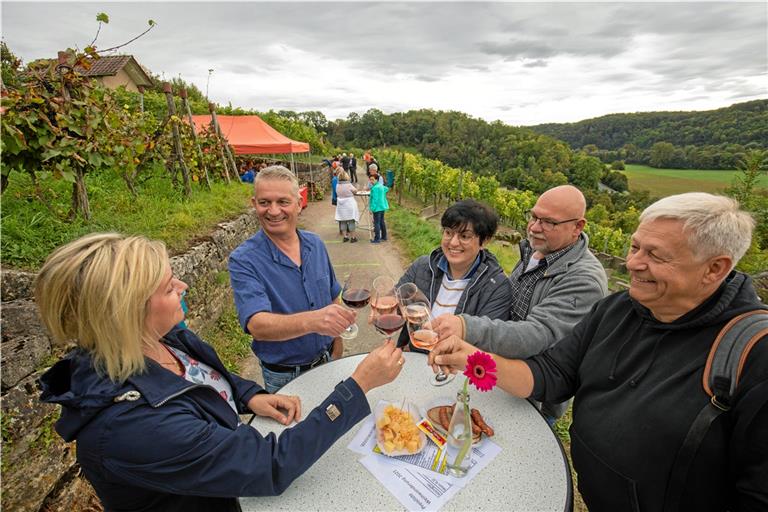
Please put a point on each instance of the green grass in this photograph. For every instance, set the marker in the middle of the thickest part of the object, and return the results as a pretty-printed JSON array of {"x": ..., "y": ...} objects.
[
  {"x": 228, "y": 339},
  {"x": 507, "y": 255},
  {"x": 31, "y": 228},
  {"x": 665, "y": 182},
  {"x": 418, "y": 236}
]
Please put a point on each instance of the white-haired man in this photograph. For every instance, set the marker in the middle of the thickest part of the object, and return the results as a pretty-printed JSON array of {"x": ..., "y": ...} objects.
[
  {"x": 285, "y": 288},
  {"x": 635, "y": 364}
]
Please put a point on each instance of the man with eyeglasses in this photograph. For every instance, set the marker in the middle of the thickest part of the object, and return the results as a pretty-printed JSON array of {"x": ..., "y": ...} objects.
[{"x": 554, "y": 285}]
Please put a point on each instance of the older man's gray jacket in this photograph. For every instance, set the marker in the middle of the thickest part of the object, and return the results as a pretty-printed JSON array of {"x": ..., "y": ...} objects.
[{"x": 560, "y": 299}]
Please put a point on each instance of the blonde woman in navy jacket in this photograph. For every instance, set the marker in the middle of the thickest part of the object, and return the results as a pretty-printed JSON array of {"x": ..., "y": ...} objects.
[{"x": 153, "y": 410}]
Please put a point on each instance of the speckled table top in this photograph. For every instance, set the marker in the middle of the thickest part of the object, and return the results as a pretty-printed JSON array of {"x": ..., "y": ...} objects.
[{"x": 529, "y": 474}]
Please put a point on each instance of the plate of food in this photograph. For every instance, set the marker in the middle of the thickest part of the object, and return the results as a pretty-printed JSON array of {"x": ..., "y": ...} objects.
[
  {"x": 396, "y": 430},
  {"x": 440, "y": 417}
]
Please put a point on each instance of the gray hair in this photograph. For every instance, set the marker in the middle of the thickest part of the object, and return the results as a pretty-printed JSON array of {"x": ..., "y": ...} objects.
[
  {"x": 277, "y": 172},
  {"x": 713, "y": 224}
]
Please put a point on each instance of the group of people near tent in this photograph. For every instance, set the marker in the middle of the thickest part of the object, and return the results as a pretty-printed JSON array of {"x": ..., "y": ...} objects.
[{"x": 343, "y": 196}]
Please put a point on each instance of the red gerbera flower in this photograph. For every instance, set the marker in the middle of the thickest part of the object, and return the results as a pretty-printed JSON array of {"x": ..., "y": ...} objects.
[{"x": 481, "y": 371}]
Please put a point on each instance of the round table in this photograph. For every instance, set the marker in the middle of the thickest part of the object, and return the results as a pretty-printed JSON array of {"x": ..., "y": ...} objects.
[{"x": 530, "y": 473}]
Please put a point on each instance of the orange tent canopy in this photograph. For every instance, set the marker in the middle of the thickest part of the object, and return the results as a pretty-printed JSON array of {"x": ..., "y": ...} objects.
[{"x": 249, "y": 135}]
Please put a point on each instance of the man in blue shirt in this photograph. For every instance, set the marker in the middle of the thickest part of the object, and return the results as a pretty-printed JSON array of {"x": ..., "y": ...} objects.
[{"x": 285, "y": 288}]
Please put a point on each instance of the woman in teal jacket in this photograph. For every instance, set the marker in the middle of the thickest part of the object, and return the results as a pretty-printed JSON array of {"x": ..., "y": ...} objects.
[{"x": 378, "y": 206}]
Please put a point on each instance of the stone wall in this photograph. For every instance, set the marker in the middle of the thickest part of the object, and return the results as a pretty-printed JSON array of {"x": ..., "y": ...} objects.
[{"x": 38, "y": 469}]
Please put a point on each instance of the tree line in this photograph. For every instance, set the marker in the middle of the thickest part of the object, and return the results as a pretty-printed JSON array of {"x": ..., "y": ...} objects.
[
  {"x": 441, "y": 152},
  {"x": 714, "y": 139}
]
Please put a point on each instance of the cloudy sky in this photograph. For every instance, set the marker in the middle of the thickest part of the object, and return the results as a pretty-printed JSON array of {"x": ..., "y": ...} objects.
[{"x": 521, "y": 63}]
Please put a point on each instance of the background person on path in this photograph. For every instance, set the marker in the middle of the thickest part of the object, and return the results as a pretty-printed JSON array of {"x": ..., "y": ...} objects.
[
  {"x": 334, "y": 182},
  {"x": 285, "y": 288},
  {"x": 154, "y": 411},
  {"x": 635, "y": 366},
  {"x": 555, "y": 283},
  {"x": 461, "y": 276},
  {"x": 345, "y": 162},
  {"x": 352, "y": 168},
  {"x": 347, "y": 211},
  {"x": 378, "y": 206}
]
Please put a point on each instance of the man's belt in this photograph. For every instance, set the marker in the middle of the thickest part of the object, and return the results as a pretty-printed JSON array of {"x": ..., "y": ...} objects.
[{"x": 281, "y": 368}]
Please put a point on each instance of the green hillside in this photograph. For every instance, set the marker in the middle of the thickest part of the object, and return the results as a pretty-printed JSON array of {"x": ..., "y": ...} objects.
[{"x": 742, "y": 123}]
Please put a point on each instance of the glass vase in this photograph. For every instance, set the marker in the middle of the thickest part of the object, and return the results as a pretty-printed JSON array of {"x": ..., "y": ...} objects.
[{"x": 460, "y": 436}]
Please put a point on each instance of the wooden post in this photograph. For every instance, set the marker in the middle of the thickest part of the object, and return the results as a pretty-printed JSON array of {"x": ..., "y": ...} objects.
[
  {"x": 226, "y": 143},
  {"x": 185, "y": 104},
  {"x": 223, "y": 144},
  {"x": 141, "y": 98},
  {"x": 401, "y": 179},
  {"x": 179, "y": 156},
  {"x": 62, "y": 68}
]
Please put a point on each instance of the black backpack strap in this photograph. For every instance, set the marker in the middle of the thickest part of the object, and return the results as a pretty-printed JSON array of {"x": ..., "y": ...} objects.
[{"x": 721, "y": 376}]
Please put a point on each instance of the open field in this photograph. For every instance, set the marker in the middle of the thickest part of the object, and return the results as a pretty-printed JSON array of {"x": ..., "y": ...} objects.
[{"x": 665, "y": 182}]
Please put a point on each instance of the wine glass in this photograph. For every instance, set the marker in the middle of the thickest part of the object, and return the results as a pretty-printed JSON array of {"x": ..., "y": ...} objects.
[
  {"x": 355, "y": 294},
  {"x": 422, "y": 334},
  {"x": 408, "y": 293},
  {"x": 386, "y": 314}
]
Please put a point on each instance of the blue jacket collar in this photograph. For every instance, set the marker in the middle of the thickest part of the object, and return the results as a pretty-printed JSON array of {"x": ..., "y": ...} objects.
[
  {"x": 75, "y": 384},
  {"x": 442, "y": 264}
]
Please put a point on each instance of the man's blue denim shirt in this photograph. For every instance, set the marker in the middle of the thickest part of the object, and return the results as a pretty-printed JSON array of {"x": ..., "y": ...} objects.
[{"x": 265, "y": 279}]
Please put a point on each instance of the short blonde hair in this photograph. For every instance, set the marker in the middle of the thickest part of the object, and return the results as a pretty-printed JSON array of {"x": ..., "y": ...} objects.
[
  {"x": 95, "y": 291},
  {"x": 714, "y": 225},
  {"x": 277, "y": 172},
  {"x": 343, "y": 176}
]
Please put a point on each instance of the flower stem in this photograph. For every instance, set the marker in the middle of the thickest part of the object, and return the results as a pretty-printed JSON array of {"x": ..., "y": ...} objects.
[{"x": 467, "y": 445}]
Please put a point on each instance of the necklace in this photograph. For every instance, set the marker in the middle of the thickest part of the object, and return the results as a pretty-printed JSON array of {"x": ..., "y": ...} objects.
[{"x": 174, "y": 365}]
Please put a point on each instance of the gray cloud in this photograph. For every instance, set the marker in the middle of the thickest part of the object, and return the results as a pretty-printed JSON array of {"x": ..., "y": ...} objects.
[
  {"x": 540, "y": 63},
  {"x": 652, "y": 48}
]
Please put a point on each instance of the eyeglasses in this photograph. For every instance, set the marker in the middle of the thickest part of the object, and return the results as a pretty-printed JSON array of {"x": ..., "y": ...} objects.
[
  {"x": 465, "y": 237},
  {"x": 546, "y": 224}
]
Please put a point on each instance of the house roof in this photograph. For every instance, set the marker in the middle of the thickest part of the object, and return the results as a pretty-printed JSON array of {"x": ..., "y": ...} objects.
[{"x": 111, "y": 64}]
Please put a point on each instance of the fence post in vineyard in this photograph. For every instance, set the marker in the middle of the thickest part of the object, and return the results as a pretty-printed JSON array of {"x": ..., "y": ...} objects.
[
  {"x": 141, "y": 98},
  {"x": 178, "y": 157},
  {"x": 230, "y": 158},
  {"x": 222, "y": 143},
  {"x": 401, "y": 180},
  {"x": 185, "y": 105},
  {"x": 79, "y": 191}
]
